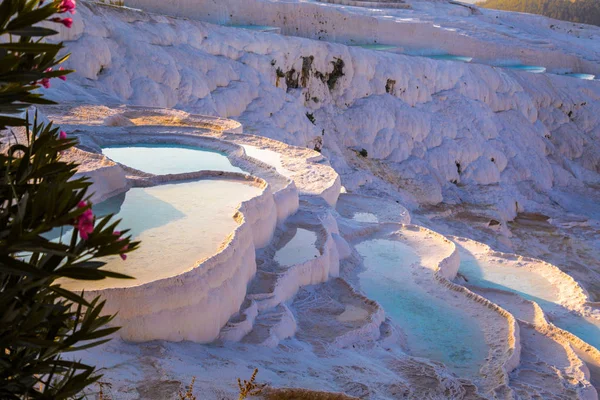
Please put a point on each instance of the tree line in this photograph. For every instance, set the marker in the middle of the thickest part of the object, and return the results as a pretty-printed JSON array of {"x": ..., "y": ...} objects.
[{"x": 580, "y": 11}]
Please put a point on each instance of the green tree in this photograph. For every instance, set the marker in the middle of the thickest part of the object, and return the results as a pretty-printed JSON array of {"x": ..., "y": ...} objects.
[{"x": 40, "y": 195}]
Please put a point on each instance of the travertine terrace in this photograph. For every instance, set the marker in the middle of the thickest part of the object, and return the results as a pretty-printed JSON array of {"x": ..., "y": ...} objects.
[{"x": 396, "y": 222}]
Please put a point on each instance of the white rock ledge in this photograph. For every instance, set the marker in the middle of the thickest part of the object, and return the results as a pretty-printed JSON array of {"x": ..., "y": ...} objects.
[
  {"x": 284, "y": 189},
  {"x": 504, "y": 352},
  {"x": 196, "y": 304},
  {"x": 337, "y": 23}
]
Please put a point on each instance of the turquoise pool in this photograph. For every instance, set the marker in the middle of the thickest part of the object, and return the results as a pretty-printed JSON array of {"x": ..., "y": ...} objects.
[
  {"x": 451, "y": 57},
  {"x": 521, "y": 280},
  {"x": 259, "y": 28},
  {"x": 178, "y": 224},
  {"x": 531, "y": 286},
  {"x": 433, "y": 329},
  {"x": 379, "y": 47},
  {"x": 587, "y": 77},
  {"x": 527, "y": 68},
  {"x": 162, "y": 159},
  {"x": 587, "y": 329}
]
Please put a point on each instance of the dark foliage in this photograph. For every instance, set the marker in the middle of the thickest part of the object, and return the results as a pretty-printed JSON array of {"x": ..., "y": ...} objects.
[{"x": 39, "y": 195}]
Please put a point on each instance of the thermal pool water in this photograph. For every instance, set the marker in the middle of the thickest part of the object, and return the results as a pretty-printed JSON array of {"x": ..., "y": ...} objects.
[
  {"x": 179, "y": 225},
  {"x": 162, "y": 159},
  {"x": 521, "y": 278},
  {"x": 302, "y": 247},
  {"x": 506, "y": 275},
  {"x": 433, "y": 329}
]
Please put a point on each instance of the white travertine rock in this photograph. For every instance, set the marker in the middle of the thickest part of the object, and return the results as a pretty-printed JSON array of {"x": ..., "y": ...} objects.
[
  {"x": 195, "y": 305},
  {"x": 451, "y": 28},
  {"x": 429, "y": 123},
  {"x": 432, "y": 132}
]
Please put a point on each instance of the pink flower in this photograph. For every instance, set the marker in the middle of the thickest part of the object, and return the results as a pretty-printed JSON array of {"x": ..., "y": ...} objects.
[
  {"x": 124, "y": 249},
  {"x": 62, "y": 78},
  {"x": 68, "y": 22},
  {"x": 85, "y": 222},
  {"x": 123, "y": 256},
  {"x": 62, "y": 135},
  {"x": 45, "y": 82},
  {"x": 68, "y": 5}
]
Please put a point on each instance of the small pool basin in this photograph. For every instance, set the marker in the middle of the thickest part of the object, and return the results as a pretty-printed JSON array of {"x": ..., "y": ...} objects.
[{"x": 162, "y": 159}]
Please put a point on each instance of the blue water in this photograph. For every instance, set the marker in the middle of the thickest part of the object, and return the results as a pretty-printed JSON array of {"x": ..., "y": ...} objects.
[
  {"x": 178, "y": 225},
  {"x": 433, "y": 329},
  {"x": 162, "y": 159},
  {"x": 134, "y": 208},
  {"x": 530, "y": 286},
  {"x": 528, "y": 68},
  {"x": 521, "y": 281},
  {"x": 587, "y": 77},
  {"x": 451, "y": 57},
  {"x": 260, "y": 28},
  {"x": 134, "y": 212},
  {"x": 587, "y": 330},
  {"x": 379, "y": 47}
]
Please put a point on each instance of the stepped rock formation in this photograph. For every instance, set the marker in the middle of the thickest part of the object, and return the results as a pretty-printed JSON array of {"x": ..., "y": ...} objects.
[{"x": 457, "y": 190}]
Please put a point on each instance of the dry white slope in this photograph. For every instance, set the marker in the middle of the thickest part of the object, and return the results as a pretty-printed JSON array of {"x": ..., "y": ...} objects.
[{"x": 442, "y": 122}]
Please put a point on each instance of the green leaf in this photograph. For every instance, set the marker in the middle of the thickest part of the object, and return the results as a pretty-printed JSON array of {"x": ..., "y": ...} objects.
[
  {"x": 39, "y": 319},
  {"x": 100, "y": 333},
  {"x": 90, "y": 345},
  {"x": 84, "y": 274},
  {"x": 92, "y": 265},
  {"x": 11, "y": 265},
  {"x": 67, "y": 294},
  {"x": 33, "y": 31},
  {"x": 31, "y": 18},
  {"x": 32, "y": 48},
  {"x": 5, "y": 12},
  {"x": 116, "y": 275},
  {"x": 21, "y": 76},
  {"x": 38, "y": 99},
  {"x": 57, "y": 73},
  {"x": 62, "y": 60},
  {"x": 11, "y": 121}
]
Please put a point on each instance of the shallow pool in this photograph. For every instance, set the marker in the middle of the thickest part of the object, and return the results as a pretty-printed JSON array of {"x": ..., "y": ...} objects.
[
  {"x": 531, "y": 286},
  {"x": 259, "y": 28},
  {"x": 587, "y": 77},
  {"x": 451, "y": 57},
  {"x": 162, "y": 159},
  {"x": 527, "y": 68},
  {"x": 301, "y": 248},
  {"x": 178, "y": 224},
  {"x": 587, "y": 329},
  {"x": 379, "y": 47},
  {"x": 506, "y": 276},
  {"x": 267, "y": 156},
  {"x": 433, "y": 329}
]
